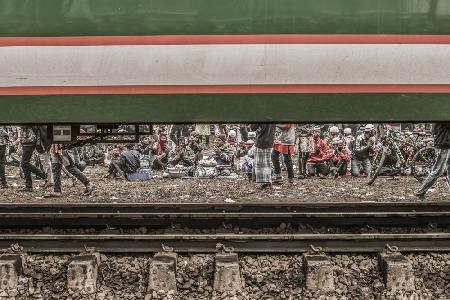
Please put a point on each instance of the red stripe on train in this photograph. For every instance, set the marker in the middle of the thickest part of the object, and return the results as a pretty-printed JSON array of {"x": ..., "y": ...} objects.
[
  {"x": 225, "y": 39},
  {"x": 225, "y": 89}
]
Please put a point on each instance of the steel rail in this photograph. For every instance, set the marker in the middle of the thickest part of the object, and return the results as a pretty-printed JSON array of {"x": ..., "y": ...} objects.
[
  {"x": 206, "y": 215},
  {"x": 242, "y": 243}
]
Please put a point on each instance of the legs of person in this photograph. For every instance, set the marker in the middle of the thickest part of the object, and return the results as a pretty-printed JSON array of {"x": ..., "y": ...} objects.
[
  {"x": 311, "y": 168},
  {"x": 112, "y": 171},
  {"x": 262, "y": 166},
  {"x": 2, "y": 165},
  {"x": 303, "y": 157},
  {"x": 27, "y": 153},
  {"x": 81, "y": 165},
  {"x": 367, "y": 166},
  {"x": 72, "y": 169},
  {"x": 355, "y": 167},
  {"x": 48, "y": 168},
  {"x": 56, "y": 170},
  {"x": 437, "y": 170},
  {"x": 323, "y": 169},
  {"x": 276, "y": 163},
  {"x": 342, "y": 169},
  {"x": 289, "y": 166}
]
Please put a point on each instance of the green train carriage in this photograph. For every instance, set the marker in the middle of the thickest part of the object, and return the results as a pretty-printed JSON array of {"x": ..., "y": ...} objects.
[{"x": 140, "y": 61}]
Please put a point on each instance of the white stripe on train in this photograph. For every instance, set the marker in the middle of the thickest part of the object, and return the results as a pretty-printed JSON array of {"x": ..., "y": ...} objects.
[{"x": 224, "y": 65}]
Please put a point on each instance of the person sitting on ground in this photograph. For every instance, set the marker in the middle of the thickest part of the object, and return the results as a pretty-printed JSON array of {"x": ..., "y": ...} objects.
[
  {"x": 317, "y": 163},
  {"x": 126, "y": 162},
  {"x": 246, "y": 154},
  {"x": 195, "y": 145},
  {"x": 160, "y": 153},
  {"x": 305, "y": 145},
  {"x": 232, "y": 138},
  {"x": 362, "y": 151},
  {"x": 340, "y": 159},
  {"x": 181, "y": 155},
  {"x": 221, "y": 152},
  {"x": 349, "y": 139}
]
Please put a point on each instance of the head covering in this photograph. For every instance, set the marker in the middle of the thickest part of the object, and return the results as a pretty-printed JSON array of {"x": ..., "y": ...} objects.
[{"x": 194, "y": 134}]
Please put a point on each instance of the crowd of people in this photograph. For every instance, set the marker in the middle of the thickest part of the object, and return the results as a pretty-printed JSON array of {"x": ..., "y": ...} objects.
[{"x": 260, "y": 152}]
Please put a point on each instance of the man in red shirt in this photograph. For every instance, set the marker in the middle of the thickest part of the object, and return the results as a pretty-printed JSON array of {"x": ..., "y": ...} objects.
[
  {"x": 340, "y": 159},
  {"x": 317, "y": 163}
]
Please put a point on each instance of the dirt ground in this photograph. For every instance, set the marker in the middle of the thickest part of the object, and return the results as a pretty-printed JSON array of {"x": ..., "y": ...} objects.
[{"x": 346, "y": 189}]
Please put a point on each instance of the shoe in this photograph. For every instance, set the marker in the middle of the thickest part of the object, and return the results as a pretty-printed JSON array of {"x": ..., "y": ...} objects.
[
  {"x": 421, "y": 197},
  {"x": 88, "y": 190},
  {"x": 277, "y": 179},
  {"x": 26, "y": 190},
  {"x": 53, "y": 195},
  {"x": 46, "y": 184},
  {"x": 291, "y": 180},
  {"x": 301, "y": 176},
  {"x": 265, "y": 186}
]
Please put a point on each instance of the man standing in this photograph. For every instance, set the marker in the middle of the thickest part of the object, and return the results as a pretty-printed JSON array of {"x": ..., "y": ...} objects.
[
  {"x": 441, "y": 133},
  {"x": 3, "y": 144},
  {"x": 265, "y": 136},
  {"x": 284, "y": 144}
]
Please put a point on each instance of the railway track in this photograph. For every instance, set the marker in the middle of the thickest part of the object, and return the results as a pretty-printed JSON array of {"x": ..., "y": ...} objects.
[
  {"x": 250, "y": 215},
  {"x": 241, "y": 243},
  {"x": 200, "y": 216}
]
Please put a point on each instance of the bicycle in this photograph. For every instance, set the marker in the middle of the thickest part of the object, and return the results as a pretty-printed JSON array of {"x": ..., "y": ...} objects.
[{"x": 397, "y": 151}]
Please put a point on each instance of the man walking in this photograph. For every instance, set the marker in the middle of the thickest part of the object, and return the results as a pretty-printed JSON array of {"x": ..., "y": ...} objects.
[
  {"x": 265, "y": 136},
  {"x": 68, "y": 156},
  {"x": 29, "y": 139},
  {"x": 441, "y": 133},
  {"x": 3, "y": 144}
]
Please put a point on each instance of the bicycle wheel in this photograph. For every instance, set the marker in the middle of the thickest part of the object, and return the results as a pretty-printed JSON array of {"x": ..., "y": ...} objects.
[
  {"x": 377, "y": 164},
  {"x": 422, "y": 162}
]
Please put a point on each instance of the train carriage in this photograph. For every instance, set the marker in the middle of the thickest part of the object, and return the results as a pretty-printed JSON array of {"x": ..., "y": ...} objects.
[{"x": 136, "y": 61}]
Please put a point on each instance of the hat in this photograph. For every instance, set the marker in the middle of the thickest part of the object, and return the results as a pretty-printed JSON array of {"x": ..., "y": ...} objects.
[
  {"x": 194, "y": 134},
  {"x": 249, "y": 142},
  {"x": 336, "y": 141},
  {"x": 232, "y": 134},
  {"x": 368, "y": 127},
  {"x": 251, "y": 134}
]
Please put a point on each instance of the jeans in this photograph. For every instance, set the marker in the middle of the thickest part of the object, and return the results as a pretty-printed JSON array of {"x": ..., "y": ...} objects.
[
  {"x": 287, "y": 160},
  {"x": 440, "y": 166},
  {"x": 27, "y": 167},
  {"x": 318, "y": 168},
  {"x": 356, "y": 166},
  {"x": 47, "y": 163},
  {"x": 2, "y": 164},
  {"x": 302, "y": 159},
  {"x": 72, "y": 169}
]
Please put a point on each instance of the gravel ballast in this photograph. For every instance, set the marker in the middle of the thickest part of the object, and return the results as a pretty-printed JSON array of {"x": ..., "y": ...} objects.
[
  {"x": 266, "y": 277},
  {"x": 346, "y": 189}
]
